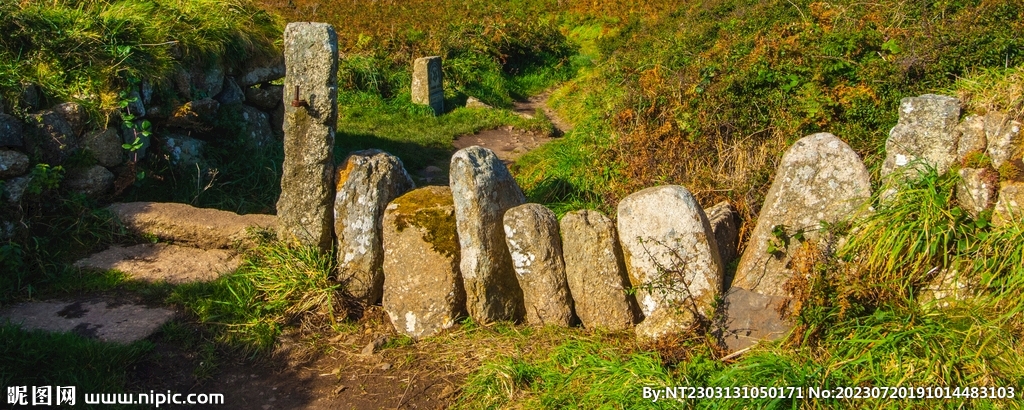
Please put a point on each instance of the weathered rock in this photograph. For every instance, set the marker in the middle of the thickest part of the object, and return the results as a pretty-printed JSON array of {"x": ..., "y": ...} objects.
[
  {"x": 473, "y": 102},
  {"x": 265, "y": 97},
  {"x": 257, "y": 127},
  {"x": 97, "y": 319},
  {"x": 135, "y": 105},
  {"x": 162, "y": 262},
  {"x": 976, "y": 190},
  {"x": 51, "y": 137},
  {"x": 423, "y": 290},
  {"x": 483, "y": 190},
  {"x": 199, "y": 227},
  {"x": 105, "y": 147},
  {"x": 307, "y": 192},
  {"x": 208, "y": 82},
  {"x": 972, "y": 136},
  {"x": 182, "y": 81},
  {"x": 750, "y": 317},
  {"x": 195, "y": 115},
  {"x": 947, "y": 287},
  {"x": 230, "y": 92},
  {"x": 725, "y": 224},
  {"x": 31, "y": 97},
  {"x": 820, "y": 178},
  {"x": 92, "y": 181},
  {"x": 12, "y": 163},
  {"x": 596, "y": 272},
  {"x": 926, "y": 131},
  {"x": 671, "y": 257},
  {"x": 183, "y": 151},
  {"x": 262, "y": 70},
  {"x": 428, "y": 83},
  {"x": 146, "y": 91},
  {"x": 1010, "y": 206},
  {"x": 531, "y": 232},
  {"x": 14, "y": 188},
  {"x": 277, "y": 121},
  {"x": 74, "y": 114},
  {"x": 11, "y": 132},
  {"x": 1004, "y": 141},
  {"x": 366, "y": 182}
]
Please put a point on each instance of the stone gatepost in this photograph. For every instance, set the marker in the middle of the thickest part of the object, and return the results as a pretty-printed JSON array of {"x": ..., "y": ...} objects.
[
  {"x": 305, "y": 208},
  {"x": 428, "y": 83}
]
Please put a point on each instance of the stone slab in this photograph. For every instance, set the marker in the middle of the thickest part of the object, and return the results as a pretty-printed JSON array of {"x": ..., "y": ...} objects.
[
  {"x": 97, "y": 319},
  {"x": 751, "y": 317},
  {"x": 163, "y": 262},
  {"x": 199, "y": 227}
]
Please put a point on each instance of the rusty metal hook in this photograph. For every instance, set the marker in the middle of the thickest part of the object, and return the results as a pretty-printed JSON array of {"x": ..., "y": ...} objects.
[{"x": 297, "y": 102}]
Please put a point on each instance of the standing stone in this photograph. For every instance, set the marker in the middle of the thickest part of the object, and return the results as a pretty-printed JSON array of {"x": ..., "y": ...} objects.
[
  {"x": 976, "y": 190},
  {"x": 972, "y": 136},
  {"x": 105, "y": 147},
  {"x": 423, "y": 290},
  {"x": 725, "y": 224},
  {"x": 483, "y": 190},
  {"x": 531, "y": 232},
  {"x": 1003, "y": 134},
  {"x": 12, "y": 163},
  {"x": 926, "y": 131},
  {"x": 11, "y": 132},
  {"x": 366, "y": 182},
  {"x": 596, "y": 272},
  {"x": 428, "y": 83},
  {"x": 819, "y": 179},
  {"x": 1010, "y": 206},
  {"x": 304, "y": 208},
  {"x": 671, "y": 257}
]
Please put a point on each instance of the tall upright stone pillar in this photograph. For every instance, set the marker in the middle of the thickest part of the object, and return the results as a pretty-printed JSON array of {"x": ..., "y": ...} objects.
[
  {"x": 428, "y": 83},
  {"x": 305, "y": 208}
]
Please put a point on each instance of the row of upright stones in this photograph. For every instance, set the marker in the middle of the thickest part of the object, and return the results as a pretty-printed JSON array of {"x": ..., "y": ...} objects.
[{"x": 435, "y": 254}]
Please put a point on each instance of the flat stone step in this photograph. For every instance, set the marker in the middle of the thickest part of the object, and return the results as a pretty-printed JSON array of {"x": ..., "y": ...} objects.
[
  {"x": 164, "y": 262},
  {"x": 97, "y": 319},
  {"x": 199, "y": 227}
]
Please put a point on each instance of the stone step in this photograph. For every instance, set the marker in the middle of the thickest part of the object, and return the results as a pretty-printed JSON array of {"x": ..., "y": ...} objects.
[
  {"x": 164, "y": 262},
  {"x": 199, "y": 227},
  {"x": 98, "y": 319}
]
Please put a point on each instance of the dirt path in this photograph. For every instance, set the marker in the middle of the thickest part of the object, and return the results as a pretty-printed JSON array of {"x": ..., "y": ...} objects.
[{"x": 510, "y": 143}]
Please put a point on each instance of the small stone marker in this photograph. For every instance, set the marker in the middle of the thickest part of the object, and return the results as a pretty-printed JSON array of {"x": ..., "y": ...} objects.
[
  {"x": 367, "y": 181},
  {"x": 428, "y": 83},
  {"x": 671, "y": 256},
  {"x": 483, "y": 190},
  {"x": 531, "y": 231},
  {"x": 109, "y": 322},
  {"x": 595, "y": 271},
  {"x": 423, "y": 290},
  {"x": 311, "y": 114}
]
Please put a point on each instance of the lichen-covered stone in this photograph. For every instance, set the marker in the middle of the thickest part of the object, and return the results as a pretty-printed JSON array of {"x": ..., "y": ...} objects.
[
  {"x": 105, "y": 147},
  {"x": 262, "y": 70},
  {"x": 183, "y": 151},
  {"x": 596, "y": 272},
  {"x": 12, "y": 163},
  {"x": 230, "y": 93},
  {"x": 257, "y": 127},
  {"x": 307, "y": 189},
  {"x": 52, "y": 138},
  {"x": 483, "y": 190},
  {"x": 265, "y": 97},
  {"x": 531, "y": 232},
  {"x": 1010, "y": 205},
  {"x": 926, "y": 131},
  {"x": 725, "y": 224},
  {"x": 423, "y": 290},
  {"x": 366, "y": 182},
  {"x": 1004, "y": 140},
  {"x": 972, "y": 136},
  {"x": 976, "y": 190},
  {"x": 74, "y": 114},
  {"x": 11, "y": 132},
  {"x": 92, "y": 181},
  {"x": 820, "y": 178},
  {"x": 670, "y": 253}
]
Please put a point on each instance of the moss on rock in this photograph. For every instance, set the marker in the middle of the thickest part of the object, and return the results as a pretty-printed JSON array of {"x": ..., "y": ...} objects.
[{"x": 432, "y": 210}]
